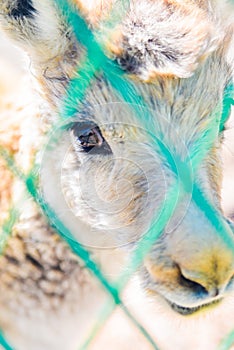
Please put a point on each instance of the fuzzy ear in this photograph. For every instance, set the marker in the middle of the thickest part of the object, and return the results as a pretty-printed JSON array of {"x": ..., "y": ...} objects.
[
  {"x": 40, "y": 29},
  {"x": 32, "y": 24},
  {"x": 166, "y": 37}
]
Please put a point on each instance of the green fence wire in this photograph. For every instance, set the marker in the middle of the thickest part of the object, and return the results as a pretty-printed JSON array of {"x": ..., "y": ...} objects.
[
  {"x": 4, "y": 343},
  {"x": 227, "y": 342},
  {"x": 95, "y": 63}
]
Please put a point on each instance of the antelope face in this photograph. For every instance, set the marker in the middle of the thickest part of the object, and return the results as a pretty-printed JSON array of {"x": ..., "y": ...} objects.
[{"x": 113, "y": 177}]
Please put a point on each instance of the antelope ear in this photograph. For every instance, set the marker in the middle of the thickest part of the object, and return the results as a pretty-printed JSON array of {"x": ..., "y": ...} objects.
[
  {"x": 165, "y": 37},
  {"x": 42, "y": 31}
]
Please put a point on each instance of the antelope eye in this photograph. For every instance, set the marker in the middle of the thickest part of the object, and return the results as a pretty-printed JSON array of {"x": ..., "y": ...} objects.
[{"x": 87, "y": 137}]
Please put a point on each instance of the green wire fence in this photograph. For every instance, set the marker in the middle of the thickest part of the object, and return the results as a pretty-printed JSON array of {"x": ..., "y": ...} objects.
[{"x": 95, "y": 63}]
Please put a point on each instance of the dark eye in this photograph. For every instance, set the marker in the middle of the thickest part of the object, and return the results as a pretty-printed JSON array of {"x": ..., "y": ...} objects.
[{"x": 87, "y": 137}]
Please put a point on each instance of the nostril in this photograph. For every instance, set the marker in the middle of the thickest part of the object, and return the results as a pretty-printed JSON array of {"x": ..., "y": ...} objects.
[
  {"x": 208, "y": 283},
  {"x": 200, "y": 283},
  {"x": 192, "y": 285}
]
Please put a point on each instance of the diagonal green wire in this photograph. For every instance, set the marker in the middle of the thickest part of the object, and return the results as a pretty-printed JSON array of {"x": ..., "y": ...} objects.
[
  {"x": 228, "y": 102},
  {"x": 227, "y": 342},
  {"x": 4, "y": 343}
]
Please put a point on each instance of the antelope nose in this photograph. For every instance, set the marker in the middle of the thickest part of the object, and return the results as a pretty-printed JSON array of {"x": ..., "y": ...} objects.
[
  {"x": 210, "y": 270},
  {"x": 204, "y": 258},
  {"x": 211, "y": 284}
]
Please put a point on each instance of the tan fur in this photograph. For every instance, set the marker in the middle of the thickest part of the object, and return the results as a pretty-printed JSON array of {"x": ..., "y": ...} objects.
[
  {"x": 9, "y": 120},
  {"x": 94, "y": 10}
]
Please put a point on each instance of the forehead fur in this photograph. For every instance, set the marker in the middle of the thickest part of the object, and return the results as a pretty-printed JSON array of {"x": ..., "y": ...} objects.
[
  {"x": 148, "y": 41},
  {"x": 151, "y": 40}
]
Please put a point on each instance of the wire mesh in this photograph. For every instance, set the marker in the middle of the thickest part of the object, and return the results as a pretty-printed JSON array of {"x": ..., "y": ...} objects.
[{"x": 95, "y": 62}]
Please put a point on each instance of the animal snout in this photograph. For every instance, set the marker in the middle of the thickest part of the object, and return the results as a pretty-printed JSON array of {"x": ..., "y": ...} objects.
[
  {"x": 212, "y": 282},
  {"x": 193, "y": 273}
]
